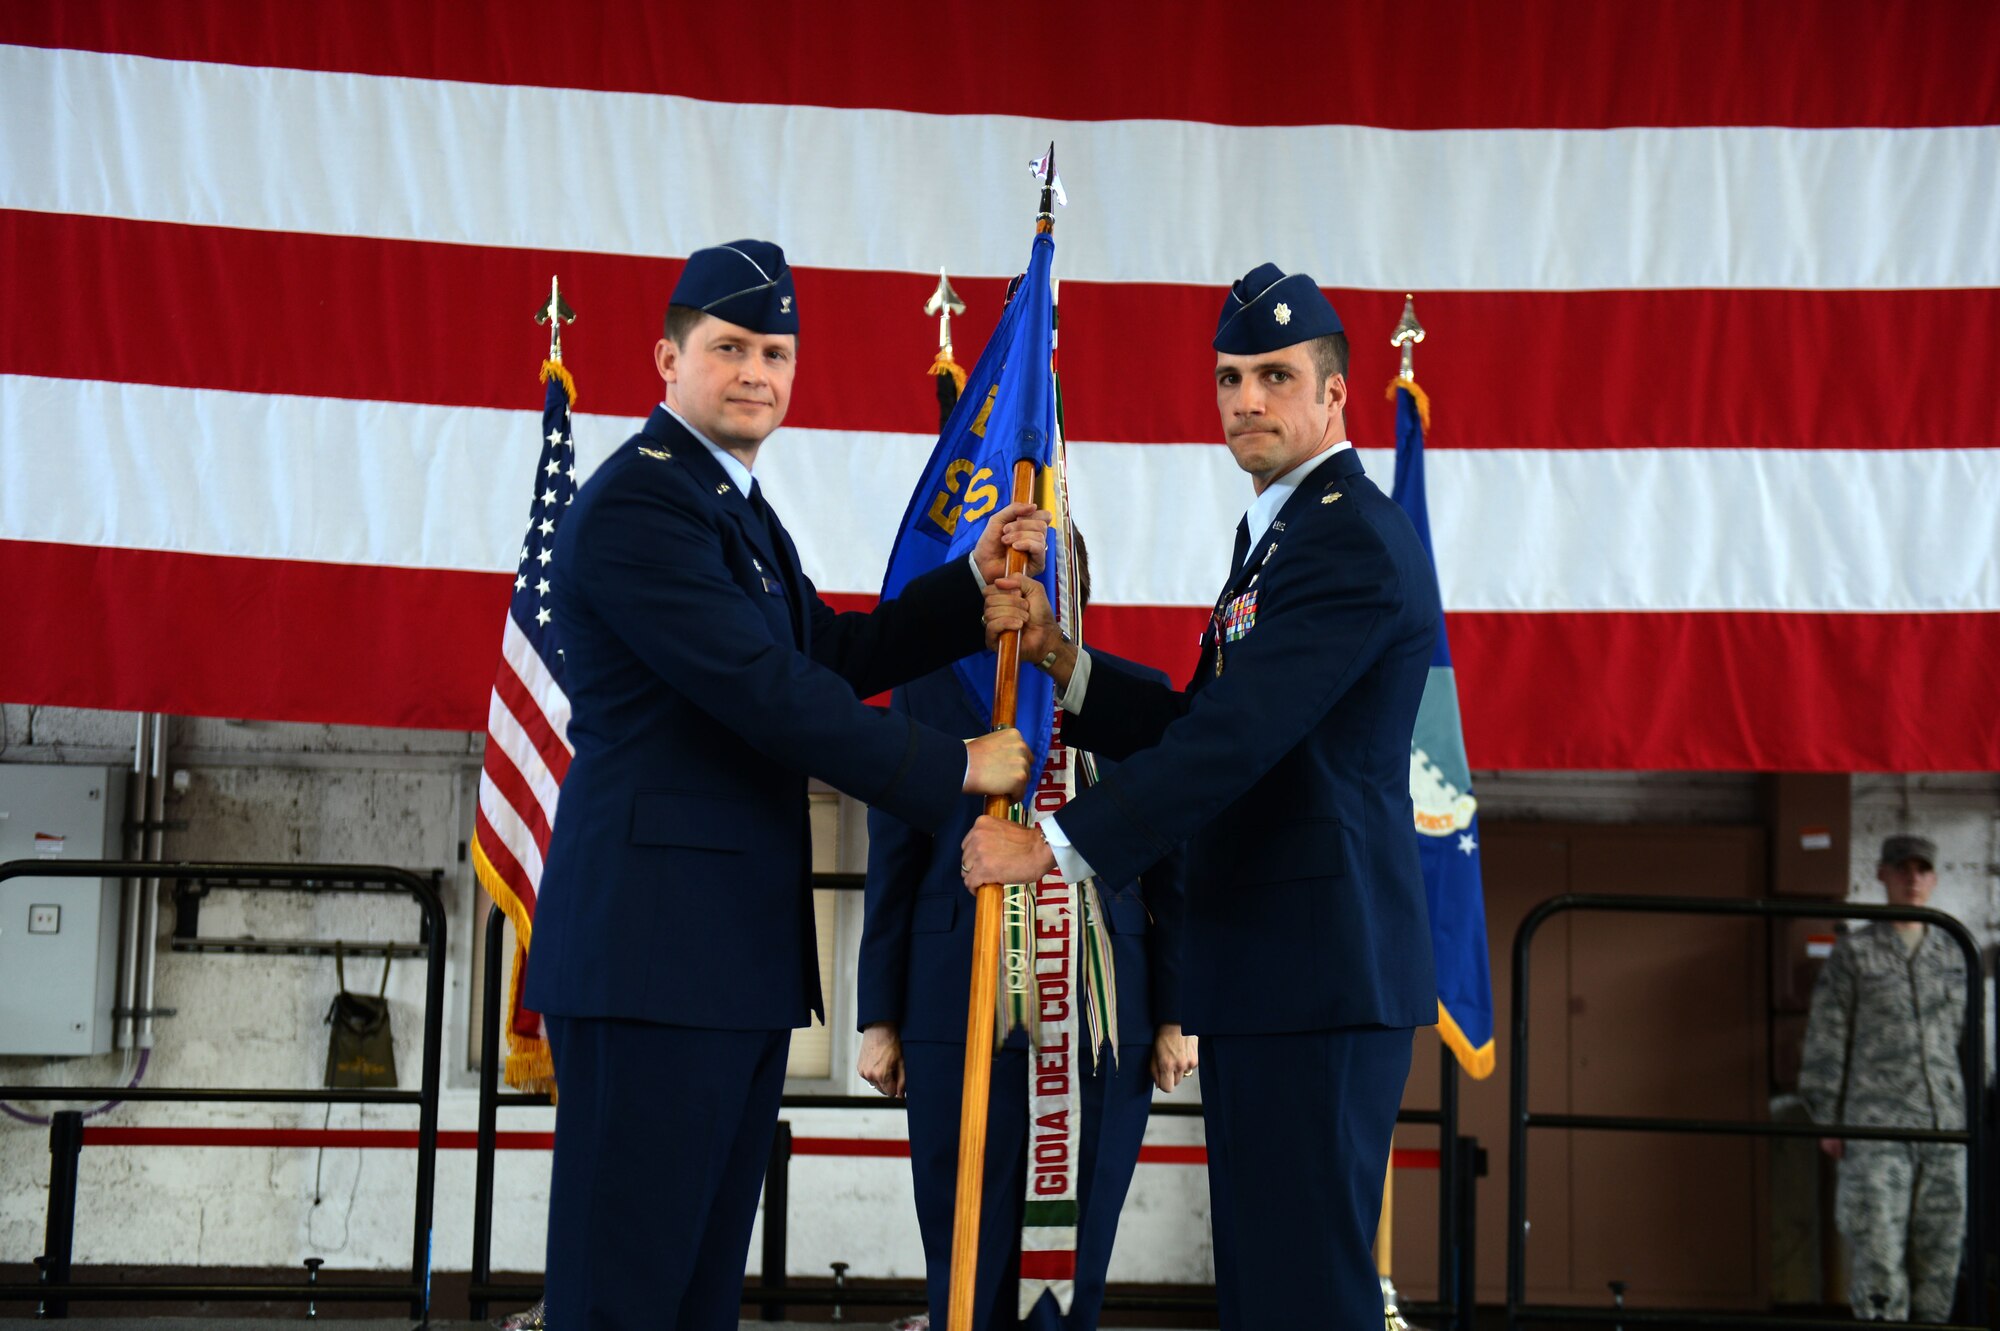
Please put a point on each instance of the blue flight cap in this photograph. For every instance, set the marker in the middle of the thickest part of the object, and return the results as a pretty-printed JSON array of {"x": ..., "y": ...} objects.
[
  {"x": 745, "y": 282},
  {"x": 1268, "y": 309}
]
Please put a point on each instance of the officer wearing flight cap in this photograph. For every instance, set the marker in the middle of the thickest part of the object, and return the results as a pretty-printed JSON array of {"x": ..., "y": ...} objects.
[
  {"x": 1284, "y": 767},
  {"x": 674, "y": 945},
  {"x": 1881, "y": 1050}
]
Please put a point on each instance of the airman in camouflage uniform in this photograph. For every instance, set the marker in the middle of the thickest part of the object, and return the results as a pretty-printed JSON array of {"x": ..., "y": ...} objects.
[{"x": 1882, "y": 1051}]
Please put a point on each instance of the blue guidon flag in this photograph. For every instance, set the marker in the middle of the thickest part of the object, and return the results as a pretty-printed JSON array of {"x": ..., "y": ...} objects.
[
  {"x": 1007, "y": 411},
  {"x": 1447, "y": 815}
]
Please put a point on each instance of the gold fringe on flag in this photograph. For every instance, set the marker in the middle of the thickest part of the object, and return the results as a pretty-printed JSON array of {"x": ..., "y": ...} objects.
[
  {"x": 1423, "y": 399},
  {"x": 529, "y": 1066},
  {"x": 1478, "y": 1061},
  {"x": 944, "y": 365},
  {"x": 555, "y": 367}
]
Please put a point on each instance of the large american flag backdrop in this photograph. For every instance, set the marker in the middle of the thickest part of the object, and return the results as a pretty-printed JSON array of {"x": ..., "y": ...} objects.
[{"x": 1711, "y": 290}]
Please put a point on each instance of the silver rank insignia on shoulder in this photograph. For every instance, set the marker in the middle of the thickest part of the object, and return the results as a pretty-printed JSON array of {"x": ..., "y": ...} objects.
[
  {"x": 1282, "y": 313},
  {"x": 660, "y": 453}
]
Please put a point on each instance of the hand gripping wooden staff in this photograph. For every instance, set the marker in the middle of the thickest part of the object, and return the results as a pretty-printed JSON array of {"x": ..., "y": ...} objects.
[{"x": 986, "y": 935}]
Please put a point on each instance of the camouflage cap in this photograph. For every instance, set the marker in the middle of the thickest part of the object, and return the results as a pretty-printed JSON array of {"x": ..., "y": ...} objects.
[{"x": 1897, "y": 849}]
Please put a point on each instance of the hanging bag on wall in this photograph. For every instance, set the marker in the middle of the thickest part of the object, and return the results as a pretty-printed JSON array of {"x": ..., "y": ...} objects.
[{"x": 360, "y": 1050}]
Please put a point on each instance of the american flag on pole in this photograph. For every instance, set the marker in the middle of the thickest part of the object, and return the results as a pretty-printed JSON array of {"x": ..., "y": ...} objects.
[
  {"x": 527, "y": 731},
  {"x": 1723, "y": 280}
]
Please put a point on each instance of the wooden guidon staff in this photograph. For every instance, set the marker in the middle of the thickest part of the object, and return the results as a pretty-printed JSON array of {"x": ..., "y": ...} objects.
[{"x": 986, "y": 931}]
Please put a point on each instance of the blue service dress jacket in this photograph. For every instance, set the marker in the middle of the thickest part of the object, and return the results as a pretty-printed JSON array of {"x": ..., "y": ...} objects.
[
  {"x": 916, "y": 937},
  {"x": 1286, "y": 774},
  {"x": 707, "y": 681}
]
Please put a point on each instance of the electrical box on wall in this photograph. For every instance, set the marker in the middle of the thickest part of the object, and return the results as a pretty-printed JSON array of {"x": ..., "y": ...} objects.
[{"x": 59, "y": 936}]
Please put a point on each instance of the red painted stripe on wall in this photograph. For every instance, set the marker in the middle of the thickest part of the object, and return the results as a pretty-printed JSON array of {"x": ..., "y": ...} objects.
[
  {"x": 1678, "y": 62},
  {"x": 1629, "y": 369},
  {"x": 878, "y": 1148}
]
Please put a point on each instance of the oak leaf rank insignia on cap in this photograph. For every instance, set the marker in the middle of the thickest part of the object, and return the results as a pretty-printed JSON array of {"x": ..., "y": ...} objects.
[
  {"x": 745, "y": 282},
  {"x": 1298, "y": 311}
]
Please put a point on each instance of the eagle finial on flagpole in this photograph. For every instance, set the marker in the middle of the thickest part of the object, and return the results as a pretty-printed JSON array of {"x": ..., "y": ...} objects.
[
  {"x": 1408, "y": 333},
  {"x": 555, "y": 314}
]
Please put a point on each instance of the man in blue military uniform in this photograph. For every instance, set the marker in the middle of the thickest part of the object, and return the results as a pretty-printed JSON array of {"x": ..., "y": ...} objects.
[
  {"x": 674, "y": 943},
  {"x": 1284, "y": 767},
  {"x": 915, "y": 971}
]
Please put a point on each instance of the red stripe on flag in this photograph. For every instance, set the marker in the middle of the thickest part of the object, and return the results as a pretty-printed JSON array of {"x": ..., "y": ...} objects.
[
  {"x": 277, "y": 640},
  {"x": 1761, "y": 692},
  {"x": 512, "y": 872},
  {"x": 520, "y": 796},
  {"x": 1049, "y": 1265},
  {"x": 514, "y": 694},
  {"x": 280, "y": 640},
  {"x": 1538, "y": 62},
  {"x": 461, "y": 341}
]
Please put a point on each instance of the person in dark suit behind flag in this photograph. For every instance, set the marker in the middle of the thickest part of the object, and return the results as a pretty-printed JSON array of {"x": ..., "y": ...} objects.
[
  {"x": 1284, "y": 766},
  {"x": 673, "y": 949},
  {"x": 915, "y": 971}
]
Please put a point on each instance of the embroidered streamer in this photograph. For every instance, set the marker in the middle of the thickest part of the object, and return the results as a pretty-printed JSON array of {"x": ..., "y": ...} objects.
[{"x": 1057, "y": 979}]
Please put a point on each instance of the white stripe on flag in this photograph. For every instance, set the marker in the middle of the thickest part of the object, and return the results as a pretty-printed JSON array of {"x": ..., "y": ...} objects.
[
  {"x": 418, "y": 159},
  {"x": 513, "y": 742},
  {"x": 512, "y": 830},
  {"x": 520, "y": 654},
  {"x": 1518, "y": 529}
]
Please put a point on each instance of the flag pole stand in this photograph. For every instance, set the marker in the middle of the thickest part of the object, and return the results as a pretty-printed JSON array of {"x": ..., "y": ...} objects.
[{"x": 979, "y": 1009}]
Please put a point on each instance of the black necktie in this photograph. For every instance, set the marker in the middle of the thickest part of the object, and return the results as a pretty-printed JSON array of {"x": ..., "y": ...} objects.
[
  {"x": 1242, "y": 548},
  {"x": 767, "y": 522}
]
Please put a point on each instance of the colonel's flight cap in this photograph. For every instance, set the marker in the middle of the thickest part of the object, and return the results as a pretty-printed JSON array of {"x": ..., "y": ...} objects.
[
  {"x": 1899, "y": 849},
  {"x": 745, "y": 282},
  {"x": 1268, "y": 309}
]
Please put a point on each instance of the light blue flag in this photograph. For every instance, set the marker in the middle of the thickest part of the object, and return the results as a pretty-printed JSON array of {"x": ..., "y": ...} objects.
[
  {"x": 1006, "y": 412},
  {"x": 1447, "y": 814}
]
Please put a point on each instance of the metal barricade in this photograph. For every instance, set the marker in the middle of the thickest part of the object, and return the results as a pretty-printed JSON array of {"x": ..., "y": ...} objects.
[
  {"x": 1972, "y": 1051},
  {"x": 68, "y": 1135}
]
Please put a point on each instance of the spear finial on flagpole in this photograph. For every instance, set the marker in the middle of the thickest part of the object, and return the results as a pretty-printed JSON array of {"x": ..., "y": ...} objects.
[
  {"x": 1408, "y": 333},
  {"x": 555, "y": 314},
  {"x": 950, "y": 375},
  {"x": 944, "y": 303},
  {"x": 1052, "y": 193}
]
